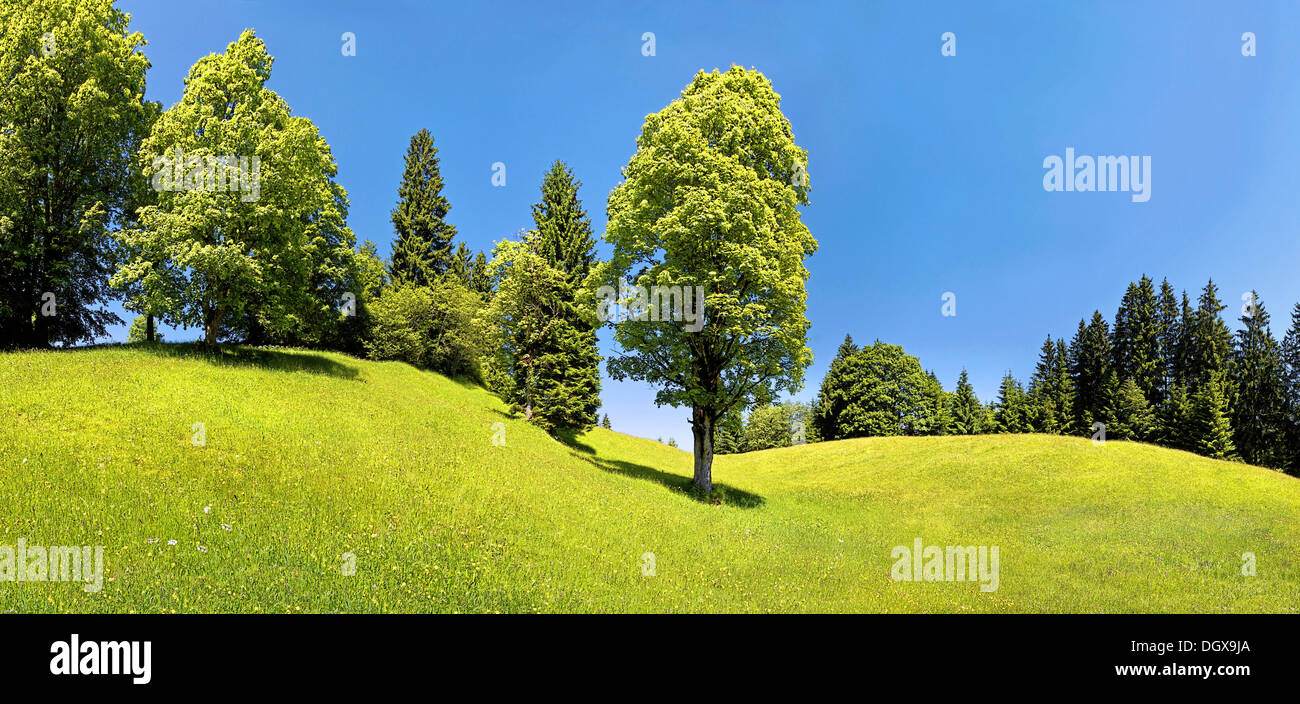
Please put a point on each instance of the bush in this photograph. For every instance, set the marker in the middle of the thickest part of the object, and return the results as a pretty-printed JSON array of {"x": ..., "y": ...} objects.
[{"x": 431, "y": 327}]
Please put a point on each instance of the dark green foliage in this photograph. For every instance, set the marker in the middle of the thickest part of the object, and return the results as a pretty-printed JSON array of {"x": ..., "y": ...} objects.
[
  {"x": 1290, "y": 374},
  {"x": 422, "y": 250},
  {"x": 1137, "y": 339},
  {"x": 874, "y": 390},
  {"x": 1090, "y": 364},
  {"x": 1050, "y": 389},
  {"x": 1259, "y": 414},
  {"x": 563, "y": 235},
  {"x": 1011, "y": 413},
  {"x": 604, "y": 423},
  {"x": 729, "y": 432},
  {"x": 967, "y": 411},
  {"x": 1210, "y": 425},
  {"x": 471, "y": 269},
  {"x": 1168, "y": 328},
  {"x": 1131, "y": 417}
]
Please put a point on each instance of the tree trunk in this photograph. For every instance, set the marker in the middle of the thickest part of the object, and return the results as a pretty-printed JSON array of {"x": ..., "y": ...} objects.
[
  {"x": 702, "y": 429},
  {"x": 148, "y": 328},
  {"x": 211, "y": 327}
]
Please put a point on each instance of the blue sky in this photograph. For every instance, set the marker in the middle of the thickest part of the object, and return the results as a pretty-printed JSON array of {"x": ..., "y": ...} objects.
[{"x": 926, "y": 171}]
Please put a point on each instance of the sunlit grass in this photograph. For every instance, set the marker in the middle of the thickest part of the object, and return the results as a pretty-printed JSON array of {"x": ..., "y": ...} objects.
[{"x": 310, "y": 456}]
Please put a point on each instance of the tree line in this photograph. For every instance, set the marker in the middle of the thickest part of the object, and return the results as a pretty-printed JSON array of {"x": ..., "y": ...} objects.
[{"x": 1163, "y": 371}]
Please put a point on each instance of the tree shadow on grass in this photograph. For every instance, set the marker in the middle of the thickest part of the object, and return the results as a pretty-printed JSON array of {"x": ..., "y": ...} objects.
[
  {"x": 722, "y": 494},
  {"x": 262, "y": 358}
]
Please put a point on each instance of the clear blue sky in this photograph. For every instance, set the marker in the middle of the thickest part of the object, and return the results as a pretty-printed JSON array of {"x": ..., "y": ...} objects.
[{"x": 926, "y": 171}]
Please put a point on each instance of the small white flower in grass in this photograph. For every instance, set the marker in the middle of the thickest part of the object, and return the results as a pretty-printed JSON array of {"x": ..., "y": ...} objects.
[
  {"x": 171, "y": 542},
  {"x": 202, "y": 549},
  {"x": 207, "y": 509},
  {"x": 225, "y": 526}
]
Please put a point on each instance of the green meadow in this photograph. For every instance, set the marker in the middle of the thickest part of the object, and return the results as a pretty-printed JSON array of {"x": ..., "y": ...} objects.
[{"x": 325, "y": 483}]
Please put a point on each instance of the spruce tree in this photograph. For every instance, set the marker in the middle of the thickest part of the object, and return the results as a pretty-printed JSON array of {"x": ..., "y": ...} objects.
[
  {"x": 1062, "y": 387},
  {"x": 1290, "y": 374},
  {"x": 422, "y": 250},
  {"x": 967, "y": 411},
  {"x": 935, "y": 416},
  {"x": 1136, "y": 345},
  {"x": 1259, "y": 410},
  {"x": 562, "y": 238},
  {"x": 1090, "y": 364},
  {"x": 1011, "y": 414},
  {"x": 1211, "y": 427},
  {"x": 604, "y": 423},
  {"x": 563, "y": 235},
  {"x": 1167, "y": 332},
  {"x": 1131, "y": 417},
  {"x": 1049, "y": 389},
  {"x": 836, "y": 392}
]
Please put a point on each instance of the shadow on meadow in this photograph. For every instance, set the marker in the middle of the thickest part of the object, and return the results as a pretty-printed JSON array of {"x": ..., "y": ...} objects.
[
  {"x": 262, "y": 358},
  {"x": 722, "y": 493}
]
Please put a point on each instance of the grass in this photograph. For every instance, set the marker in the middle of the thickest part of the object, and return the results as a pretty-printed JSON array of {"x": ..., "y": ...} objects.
[{"x": 311, "y": 456}]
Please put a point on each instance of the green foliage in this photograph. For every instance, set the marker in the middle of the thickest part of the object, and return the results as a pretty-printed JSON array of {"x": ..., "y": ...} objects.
[
  {"x": 269, "y": 255},
  {"x": 1131, "y": 416},
  {"x": 967, "y": 411},
  {"x": 878, "y": 390},
  {"x": 604, "y": 423},
  {"x": 138, "y": 331},
  {"x": 1289, "y": 354},
  {"x": 544, "y": 357},
  {"x": 1259, "y": 412},
  {"x": 71, "y": 119},
  {"x": 1137, "y": 337},
  {"x": 1051, "y": 391},
  {"x": 431, "y": 327},
  {"x": 1011, "y": 413},
  {"x": 710, "y": 199},
  {"x": 1211, "y": 426},
  {"x": 1090, "y": 358},
  {"x": 422, "y": 250}
]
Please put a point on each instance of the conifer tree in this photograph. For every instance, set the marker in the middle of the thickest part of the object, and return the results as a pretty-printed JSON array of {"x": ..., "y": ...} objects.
[
  {"x": 1049, "y": 389},
  {"x": 1259, "y": 411},
  {"x": 1290, "y": 361},
  {"x": 1090, "y": 364},
  {"x": 1137, "y": 338},
  {"x": 1167, "y": 331},
  {"x": 422, "y": 250},
  {"x": 604, "y": 423},
  {"x": 836, "y": 391},
  {"x": 967, "y": 411},
  {"x": 1211, "y": 428},
  {"x": 1131, "y": 417},
  {"x": 935, "y": 417},
  {"x": 1011, "y": 414}
]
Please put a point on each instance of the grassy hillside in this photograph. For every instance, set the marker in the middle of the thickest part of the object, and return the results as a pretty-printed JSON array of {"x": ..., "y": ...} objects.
[{"x": 310, "y": 456}]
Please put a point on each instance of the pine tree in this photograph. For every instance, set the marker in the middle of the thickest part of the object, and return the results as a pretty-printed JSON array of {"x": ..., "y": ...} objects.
[
  {"x": 1259, "y": 410},
  {"x": 1062, "y": 387},
  {"x": 1211, "y": 427},
  {"x": 1131, "y": 417},
  {"x": 967, "y": 411},
  {"x": 836, "y": 392},
  {"x": 1175, "y": 416},
  {"x": 935, "y": 416},
  {"x": 563, "y": 234},
  {"x": 1090, "y": 364},
  {"x": 1049, "y": 389},
  {"x": 1210, "y": 340},
  {"x": 562, "y": 240},
  {"x": 1136, "y": 338},
  {"x": 422, "y": 250},
  {"x": 1290, "y": 361},
  {"x": 1167, "y": 332},
  {"x": 1011, "y": 414},
  {"x": 604, "y": 423}
]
